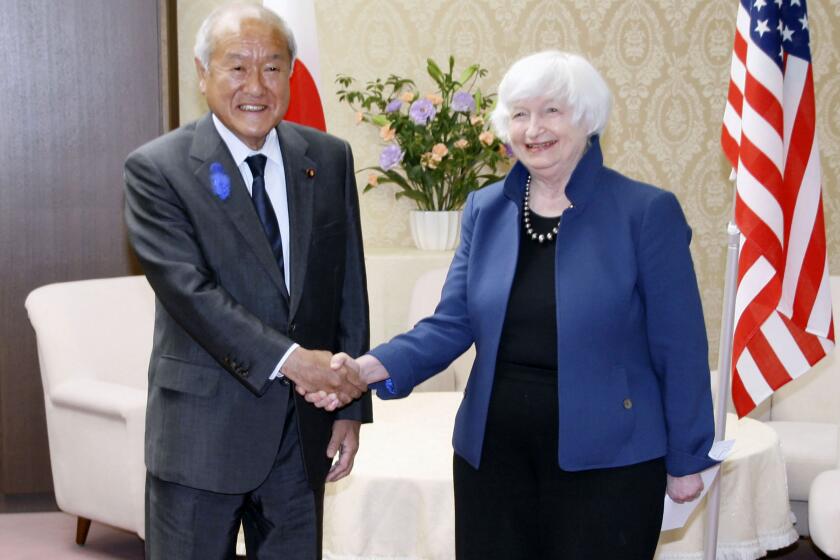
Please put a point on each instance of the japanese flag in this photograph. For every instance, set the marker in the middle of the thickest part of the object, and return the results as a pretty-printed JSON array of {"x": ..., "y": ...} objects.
[{"x": 305, "y": 105}]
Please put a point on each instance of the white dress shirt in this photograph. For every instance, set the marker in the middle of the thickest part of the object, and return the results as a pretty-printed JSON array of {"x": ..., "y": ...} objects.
[{"x": 275, "y": 187}]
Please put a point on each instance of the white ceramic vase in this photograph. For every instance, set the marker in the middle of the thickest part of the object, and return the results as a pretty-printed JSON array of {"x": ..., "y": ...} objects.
[{"x": 435, "y": 231}]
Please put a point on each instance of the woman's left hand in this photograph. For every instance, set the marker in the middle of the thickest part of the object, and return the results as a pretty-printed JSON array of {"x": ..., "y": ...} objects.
[{"x": 686, "y": 488}]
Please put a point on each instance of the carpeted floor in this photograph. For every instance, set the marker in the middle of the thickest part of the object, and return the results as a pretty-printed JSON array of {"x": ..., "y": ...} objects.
[{"x": 49, "y": 535}]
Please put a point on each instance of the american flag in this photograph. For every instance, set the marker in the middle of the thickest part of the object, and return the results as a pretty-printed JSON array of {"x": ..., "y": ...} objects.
[{"x": 783, "y": 322}]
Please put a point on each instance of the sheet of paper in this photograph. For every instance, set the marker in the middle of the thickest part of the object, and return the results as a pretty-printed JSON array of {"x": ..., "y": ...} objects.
[{"x": 676, "y": 514}]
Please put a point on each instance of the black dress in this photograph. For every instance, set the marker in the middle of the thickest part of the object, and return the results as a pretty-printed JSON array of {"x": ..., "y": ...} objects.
[{"x": 519, "y": 504}]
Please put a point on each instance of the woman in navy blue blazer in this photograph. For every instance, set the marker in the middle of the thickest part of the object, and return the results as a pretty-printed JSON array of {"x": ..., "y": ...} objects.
[{"x": 589, "y": 395}]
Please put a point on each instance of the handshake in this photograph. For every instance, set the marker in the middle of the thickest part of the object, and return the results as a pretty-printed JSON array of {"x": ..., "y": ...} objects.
[{"x": 329, "y": 381}]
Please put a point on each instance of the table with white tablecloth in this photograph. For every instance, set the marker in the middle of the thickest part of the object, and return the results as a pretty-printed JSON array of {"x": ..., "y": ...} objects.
[
  {"x": 754, "y": 510},
  {"x": 398, "y": 501}
]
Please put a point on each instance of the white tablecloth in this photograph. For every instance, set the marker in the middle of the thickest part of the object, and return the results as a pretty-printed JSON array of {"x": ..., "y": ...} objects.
[
  {"x": 398, "y": 501},
  {"x": 754, "y": 511}
]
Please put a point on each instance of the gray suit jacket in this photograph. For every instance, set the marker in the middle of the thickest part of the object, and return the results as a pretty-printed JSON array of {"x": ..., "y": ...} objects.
[{"x": 213, "y": 419}]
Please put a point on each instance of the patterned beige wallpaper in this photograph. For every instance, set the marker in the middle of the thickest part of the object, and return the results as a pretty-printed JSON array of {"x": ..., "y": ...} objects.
[{"x": 667, "y": 62}]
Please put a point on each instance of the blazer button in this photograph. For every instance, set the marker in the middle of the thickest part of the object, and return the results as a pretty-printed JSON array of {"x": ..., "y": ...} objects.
[
  {"x": 628, "y": 404},
  {"x": 293, "y": 328}
]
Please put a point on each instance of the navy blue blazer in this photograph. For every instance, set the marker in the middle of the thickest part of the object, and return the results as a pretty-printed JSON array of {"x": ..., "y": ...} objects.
[{"x": 633, "y": 375}]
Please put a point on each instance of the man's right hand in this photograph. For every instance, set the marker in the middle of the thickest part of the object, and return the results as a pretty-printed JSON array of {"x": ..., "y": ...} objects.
[
  {"x": 311, "y": 372},
  {"x": 367, "y": 367}
]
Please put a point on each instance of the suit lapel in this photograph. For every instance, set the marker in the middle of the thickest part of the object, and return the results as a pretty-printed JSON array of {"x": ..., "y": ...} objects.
[
  {"x": 208, "y": 148},
  {"x": 301, "y": 174}
]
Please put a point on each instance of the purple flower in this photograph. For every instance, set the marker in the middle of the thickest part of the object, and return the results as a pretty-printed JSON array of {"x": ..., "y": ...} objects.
[
  {"x": 463, "y": 102},
  {"x": 390, "y": 157},
  {"x": 422, "y": 111},
  {"x": 393, "y": 105}
]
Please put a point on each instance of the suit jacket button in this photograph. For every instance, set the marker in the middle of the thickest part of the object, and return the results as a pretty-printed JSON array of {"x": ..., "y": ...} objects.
[
  {"x": 293, "y": 328},
  {"x": 628, "y": 404},
  {"x": 243, "y": 372}
]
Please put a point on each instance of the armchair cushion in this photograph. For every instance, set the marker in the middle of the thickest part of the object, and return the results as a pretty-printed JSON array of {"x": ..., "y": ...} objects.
[
  {"x": 824, "y": 512},
  {"x": 809, "y": 449}
]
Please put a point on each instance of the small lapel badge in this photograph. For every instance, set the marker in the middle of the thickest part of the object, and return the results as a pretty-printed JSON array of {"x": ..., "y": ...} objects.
[
  {"x": 219, "y": 180},
  {"x": 310, "y": 172}
]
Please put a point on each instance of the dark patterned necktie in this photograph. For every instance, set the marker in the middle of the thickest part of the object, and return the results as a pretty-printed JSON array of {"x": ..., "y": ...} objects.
[{"x": 265, "y": 210}]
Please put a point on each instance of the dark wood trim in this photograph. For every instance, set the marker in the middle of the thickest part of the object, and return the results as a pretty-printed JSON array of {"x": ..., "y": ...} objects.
[{"x": 168, "y": 17}]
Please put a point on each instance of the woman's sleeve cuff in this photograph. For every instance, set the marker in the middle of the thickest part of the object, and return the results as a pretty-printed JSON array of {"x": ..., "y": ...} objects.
[
  {"x": 397, "y": 385},
  {"x": 679, "y": 463}
]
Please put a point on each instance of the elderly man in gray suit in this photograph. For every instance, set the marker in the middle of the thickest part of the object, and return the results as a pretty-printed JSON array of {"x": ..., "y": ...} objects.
[{"x": 248, "y": 231}]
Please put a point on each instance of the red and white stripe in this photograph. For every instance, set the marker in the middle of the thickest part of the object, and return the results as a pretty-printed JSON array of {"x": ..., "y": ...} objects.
[{"x": 783, "y": 323}]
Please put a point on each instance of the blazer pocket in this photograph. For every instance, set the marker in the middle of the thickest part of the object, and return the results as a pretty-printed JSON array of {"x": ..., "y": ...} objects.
[
  {"x": 180, "y": 375},
  {"x": 619, "y": 402}
]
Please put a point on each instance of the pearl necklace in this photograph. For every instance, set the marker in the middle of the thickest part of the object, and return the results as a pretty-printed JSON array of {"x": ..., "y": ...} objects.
[{"x": 526, "y": 213}]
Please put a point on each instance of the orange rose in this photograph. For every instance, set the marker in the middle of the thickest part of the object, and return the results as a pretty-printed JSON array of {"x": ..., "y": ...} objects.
[
  {"x": 428, "y": 160},
  {"x": 387, "y": 133},
  {"x": 439, "y": 151},
  {"x": 487, "y": 137}
]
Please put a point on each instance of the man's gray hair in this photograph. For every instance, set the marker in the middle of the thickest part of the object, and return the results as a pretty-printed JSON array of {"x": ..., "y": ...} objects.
[
  {"x": 565, "y": 77},
  {"x": 229, "y": 18}
]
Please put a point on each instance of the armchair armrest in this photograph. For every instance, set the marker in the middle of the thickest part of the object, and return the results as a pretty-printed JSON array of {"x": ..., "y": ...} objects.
[
  {"x": 96, "y": 431},
  {"x": 99, "y": 397}
]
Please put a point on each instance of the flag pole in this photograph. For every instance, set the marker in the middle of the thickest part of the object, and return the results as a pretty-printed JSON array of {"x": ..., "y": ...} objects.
[{"x": 724, "y": 374}]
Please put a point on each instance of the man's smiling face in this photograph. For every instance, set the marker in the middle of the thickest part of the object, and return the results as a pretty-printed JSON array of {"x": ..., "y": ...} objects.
[{"x": 246, "y": 83}]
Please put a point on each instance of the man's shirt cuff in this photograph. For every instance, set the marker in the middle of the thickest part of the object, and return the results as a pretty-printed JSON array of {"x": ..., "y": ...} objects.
[{"x": 276, "y": 373}]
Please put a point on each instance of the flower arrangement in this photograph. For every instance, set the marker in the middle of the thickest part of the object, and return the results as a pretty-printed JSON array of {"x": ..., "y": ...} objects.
[{"x": 437, "y": 146}]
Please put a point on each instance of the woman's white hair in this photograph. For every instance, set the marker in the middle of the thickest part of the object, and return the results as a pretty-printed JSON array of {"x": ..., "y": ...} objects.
[
  {"x": 229, "y": 18},
  {"x": 565, "y": 77}
]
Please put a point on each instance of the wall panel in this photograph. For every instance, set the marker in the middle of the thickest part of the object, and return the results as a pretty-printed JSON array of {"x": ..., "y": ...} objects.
[{"x": 81, "y": 89}]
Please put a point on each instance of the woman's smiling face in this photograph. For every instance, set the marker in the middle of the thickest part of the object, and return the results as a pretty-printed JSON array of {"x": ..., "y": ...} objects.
[{"x": 545, "y": 138}]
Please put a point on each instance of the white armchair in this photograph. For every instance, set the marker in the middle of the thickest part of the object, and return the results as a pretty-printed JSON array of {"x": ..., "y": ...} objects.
[
  {"x": 805, "y": 414},
  {"x": 94, "y": 340}
]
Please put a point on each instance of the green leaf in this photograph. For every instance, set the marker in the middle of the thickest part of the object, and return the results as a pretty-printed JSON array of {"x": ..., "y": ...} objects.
[
  {"x": 413, "y": 195},
  {"x": 379, "y": 120},
  {"x": 468, "y": 73},
  {"x": 434, "y": 71},
  {"x": 395, "y": 177}
]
